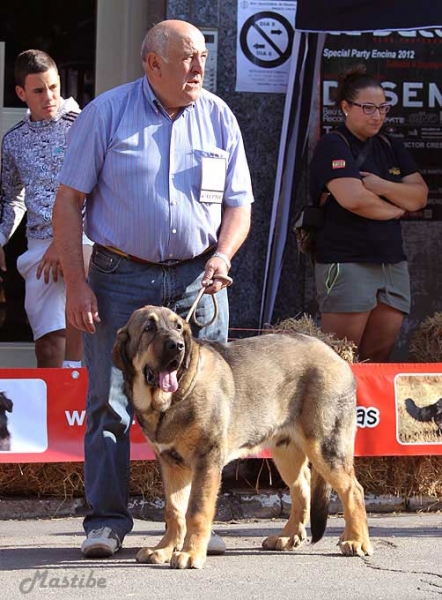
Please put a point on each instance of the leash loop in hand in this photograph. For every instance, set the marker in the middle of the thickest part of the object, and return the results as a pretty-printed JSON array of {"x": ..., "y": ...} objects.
[{"x": 225, "y": 279}]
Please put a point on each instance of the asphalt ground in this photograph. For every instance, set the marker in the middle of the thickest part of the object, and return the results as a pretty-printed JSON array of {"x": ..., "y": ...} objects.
[{"x": 41, "y": 558}]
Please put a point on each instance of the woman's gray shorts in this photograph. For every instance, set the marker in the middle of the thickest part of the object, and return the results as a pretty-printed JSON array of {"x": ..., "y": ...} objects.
[{"x": 360, "y": 287}]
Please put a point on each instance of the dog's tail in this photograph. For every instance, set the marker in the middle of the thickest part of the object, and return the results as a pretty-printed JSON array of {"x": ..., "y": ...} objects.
[
  {"x": 320, "y": 499},
  {"x": 423, "y": 414}
]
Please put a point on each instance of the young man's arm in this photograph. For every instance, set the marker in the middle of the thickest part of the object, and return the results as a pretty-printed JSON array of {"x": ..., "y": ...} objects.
[{"x": 12, "y": 201}]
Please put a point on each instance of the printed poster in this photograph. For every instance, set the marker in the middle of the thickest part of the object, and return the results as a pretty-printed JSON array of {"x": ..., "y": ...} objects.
[{"x": 264, "y": 45}]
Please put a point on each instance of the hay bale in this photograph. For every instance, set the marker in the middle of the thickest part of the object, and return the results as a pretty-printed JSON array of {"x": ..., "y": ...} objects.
[
  {"x": 426, "y": 343},
  {"x": 59, "y": 480},
  {"x": 397, "y": 476},
  {"x": 401, "y": 476},
  {"x": 305, "y": 324},
  {"x": 65, "y": 480},
  {"x": 404, "y": 476},
  {"x": 145, "y": 479}
]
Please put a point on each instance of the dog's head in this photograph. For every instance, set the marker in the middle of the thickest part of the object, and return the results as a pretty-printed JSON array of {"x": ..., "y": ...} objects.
[
  {"x": 438, "y": 413},
  {"x": 5, "y": 404},
  {"x": 155, "y": 343}
]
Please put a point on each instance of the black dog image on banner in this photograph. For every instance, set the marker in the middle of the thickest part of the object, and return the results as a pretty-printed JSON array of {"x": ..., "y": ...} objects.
[
  {"x": 424, "y": 414},
  {"x": 5, "y": 436}
]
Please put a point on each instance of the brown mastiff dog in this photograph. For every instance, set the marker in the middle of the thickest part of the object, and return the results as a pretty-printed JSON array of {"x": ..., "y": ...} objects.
[{"x": 203, "y": 404}]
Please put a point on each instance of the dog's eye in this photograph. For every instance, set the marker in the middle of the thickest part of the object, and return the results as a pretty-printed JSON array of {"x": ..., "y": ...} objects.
[
  {"x": 179, "y": 325},
  {"x": 148, "y": 326}
]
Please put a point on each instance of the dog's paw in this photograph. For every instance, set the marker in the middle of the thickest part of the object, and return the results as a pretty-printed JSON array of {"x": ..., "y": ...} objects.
[
  {"x": 154, "y": 556},
  {"x": 187, "y": 560},
  {"x": 355, "y": 548},
  {"x": 276, "y": 542}
]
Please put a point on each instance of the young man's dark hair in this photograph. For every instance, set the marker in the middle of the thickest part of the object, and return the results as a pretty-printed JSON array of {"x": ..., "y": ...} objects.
[{"x": 29, "y": 62}]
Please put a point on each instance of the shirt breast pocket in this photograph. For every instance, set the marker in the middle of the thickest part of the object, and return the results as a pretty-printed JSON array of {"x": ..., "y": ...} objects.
[{"x": 210, "y": 174}]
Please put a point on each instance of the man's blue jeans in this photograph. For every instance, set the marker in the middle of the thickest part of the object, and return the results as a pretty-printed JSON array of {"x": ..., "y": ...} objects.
[{"x": 122, "y": 286}]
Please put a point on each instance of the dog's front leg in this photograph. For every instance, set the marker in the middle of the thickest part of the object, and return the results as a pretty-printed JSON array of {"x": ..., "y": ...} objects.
[
  {"x": 177, "y": 480},
  {"x": 199, "y": 517}
]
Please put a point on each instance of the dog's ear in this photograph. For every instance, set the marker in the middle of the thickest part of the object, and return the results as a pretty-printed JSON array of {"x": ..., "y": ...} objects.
[
  {"x": 120, "y": 350},
  {"x": 5, "y": 403}
]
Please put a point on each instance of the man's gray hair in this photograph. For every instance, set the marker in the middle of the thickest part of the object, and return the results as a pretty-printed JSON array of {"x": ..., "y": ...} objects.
[{"x": 156, "y": 40}]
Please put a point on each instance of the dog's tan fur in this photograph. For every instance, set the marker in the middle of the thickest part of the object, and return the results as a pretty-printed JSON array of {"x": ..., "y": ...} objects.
[{"x": 290, "y": 393}]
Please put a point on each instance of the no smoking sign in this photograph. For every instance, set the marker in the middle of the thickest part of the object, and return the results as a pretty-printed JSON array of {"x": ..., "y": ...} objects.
[{"x": 266, "y": 39}]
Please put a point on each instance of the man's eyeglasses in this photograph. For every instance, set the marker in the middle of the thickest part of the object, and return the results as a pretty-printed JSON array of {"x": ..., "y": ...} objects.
[{"x": 369, "y": 108}]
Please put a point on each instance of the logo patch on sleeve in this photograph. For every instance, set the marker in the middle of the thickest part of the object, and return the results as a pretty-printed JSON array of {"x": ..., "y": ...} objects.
[{"x": 338, "y": 164}]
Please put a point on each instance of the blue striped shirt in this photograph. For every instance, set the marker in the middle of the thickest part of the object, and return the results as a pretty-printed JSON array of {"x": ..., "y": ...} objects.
[{"x": 142, "y": 172}]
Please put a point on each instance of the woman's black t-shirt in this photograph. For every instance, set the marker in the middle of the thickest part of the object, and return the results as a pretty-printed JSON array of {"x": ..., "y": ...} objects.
[{"x": 346, "y": 237}]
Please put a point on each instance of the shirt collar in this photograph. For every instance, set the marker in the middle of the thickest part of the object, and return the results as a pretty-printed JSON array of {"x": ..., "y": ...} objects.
[
  {"x": 65, "y": 106},
  {"x": 352, "y": 139},
  {"x": 153, "y": 100}
]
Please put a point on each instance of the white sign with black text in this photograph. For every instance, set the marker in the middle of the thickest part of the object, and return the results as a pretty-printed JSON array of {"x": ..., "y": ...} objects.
[{"x": 264, "y": 45}]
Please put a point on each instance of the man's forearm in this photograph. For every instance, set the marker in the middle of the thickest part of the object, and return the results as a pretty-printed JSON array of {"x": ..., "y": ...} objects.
[
  {"x": 67, "y": 222},
  {"x": 234, "y": 229}
]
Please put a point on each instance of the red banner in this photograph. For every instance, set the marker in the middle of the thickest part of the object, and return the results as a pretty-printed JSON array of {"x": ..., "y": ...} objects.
[{"x": 43, "y": 417}]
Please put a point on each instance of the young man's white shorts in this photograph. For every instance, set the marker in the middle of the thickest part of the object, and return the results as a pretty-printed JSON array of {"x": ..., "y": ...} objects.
[{"x": 45, "y": 303}]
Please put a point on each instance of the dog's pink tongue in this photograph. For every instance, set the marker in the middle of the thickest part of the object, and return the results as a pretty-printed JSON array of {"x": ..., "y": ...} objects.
[{"x": 168, "y": 381}]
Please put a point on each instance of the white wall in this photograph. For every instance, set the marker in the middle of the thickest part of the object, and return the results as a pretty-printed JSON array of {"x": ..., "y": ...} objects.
[
  {"x": 8, "y": 116},
  {"x": 121, "y": 26}
]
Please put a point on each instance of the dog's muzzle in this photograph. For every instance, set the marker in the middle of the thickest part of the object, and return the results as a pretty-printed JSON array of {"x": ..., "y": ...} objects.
[{"x": 166, "y": 378}]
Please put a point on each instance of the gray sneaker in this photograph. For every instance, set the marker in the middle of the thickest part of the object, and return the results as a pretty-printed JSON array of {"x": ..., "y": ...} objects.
[
  {"x": 101, "y": 543},
  {"x": 216, "y": 545}
]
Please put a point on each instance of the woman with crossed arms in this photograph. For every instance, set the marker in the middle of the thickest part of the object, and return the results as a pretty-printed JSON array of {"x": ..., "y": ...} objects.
[{"x": 361, "y": 271}]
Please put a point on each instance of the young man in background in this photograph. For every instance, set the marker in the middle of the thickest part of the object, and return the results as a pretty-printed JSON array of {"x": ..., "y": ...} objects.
[{"x": 32, "y": 155}]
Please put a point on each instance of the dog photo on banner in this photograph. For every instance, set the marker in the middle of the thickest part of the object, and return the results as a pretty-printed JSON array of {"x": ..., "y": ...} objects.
[{"x": 23, "y": 411}]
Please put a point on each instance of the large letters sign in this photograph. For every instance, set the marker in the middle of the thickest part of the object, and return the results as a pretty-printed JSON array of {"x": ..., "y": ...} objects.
[{"x": 397, "y": 413}]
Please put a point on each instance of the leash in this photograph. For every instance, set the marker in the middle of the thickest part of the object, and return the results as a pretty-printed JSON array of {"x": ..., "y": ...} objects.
[{"x": 225, "y": 279}]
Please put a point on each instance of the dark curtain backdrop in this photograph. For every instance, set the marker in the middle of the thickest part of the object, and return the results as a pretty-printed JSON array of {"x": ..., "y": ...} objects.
[{"x": 367, "y": 15}]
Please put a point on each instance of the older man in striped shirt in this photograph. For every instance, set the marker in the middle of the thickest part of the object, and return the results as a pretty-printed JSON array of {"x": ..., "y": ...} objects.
[{"x": 162, "y": 165}]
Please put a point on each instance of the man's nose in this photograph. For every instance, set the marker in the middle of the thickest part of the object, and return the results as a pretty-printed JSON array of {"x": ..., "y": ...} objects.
[{"x": 198, "y": 64}]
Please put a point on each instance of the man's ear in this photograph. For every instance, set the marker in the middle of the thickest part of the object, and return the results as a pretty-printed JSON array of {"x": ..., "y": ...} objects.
[
  {"x": 20, "y": 93},
  {"x": 152, "y": 64}
]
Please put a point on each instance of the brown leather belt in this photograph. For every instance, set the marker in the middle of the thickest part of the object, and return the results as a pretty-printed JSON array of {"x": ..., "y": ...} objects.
[{"x": 165, "y": 263}]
